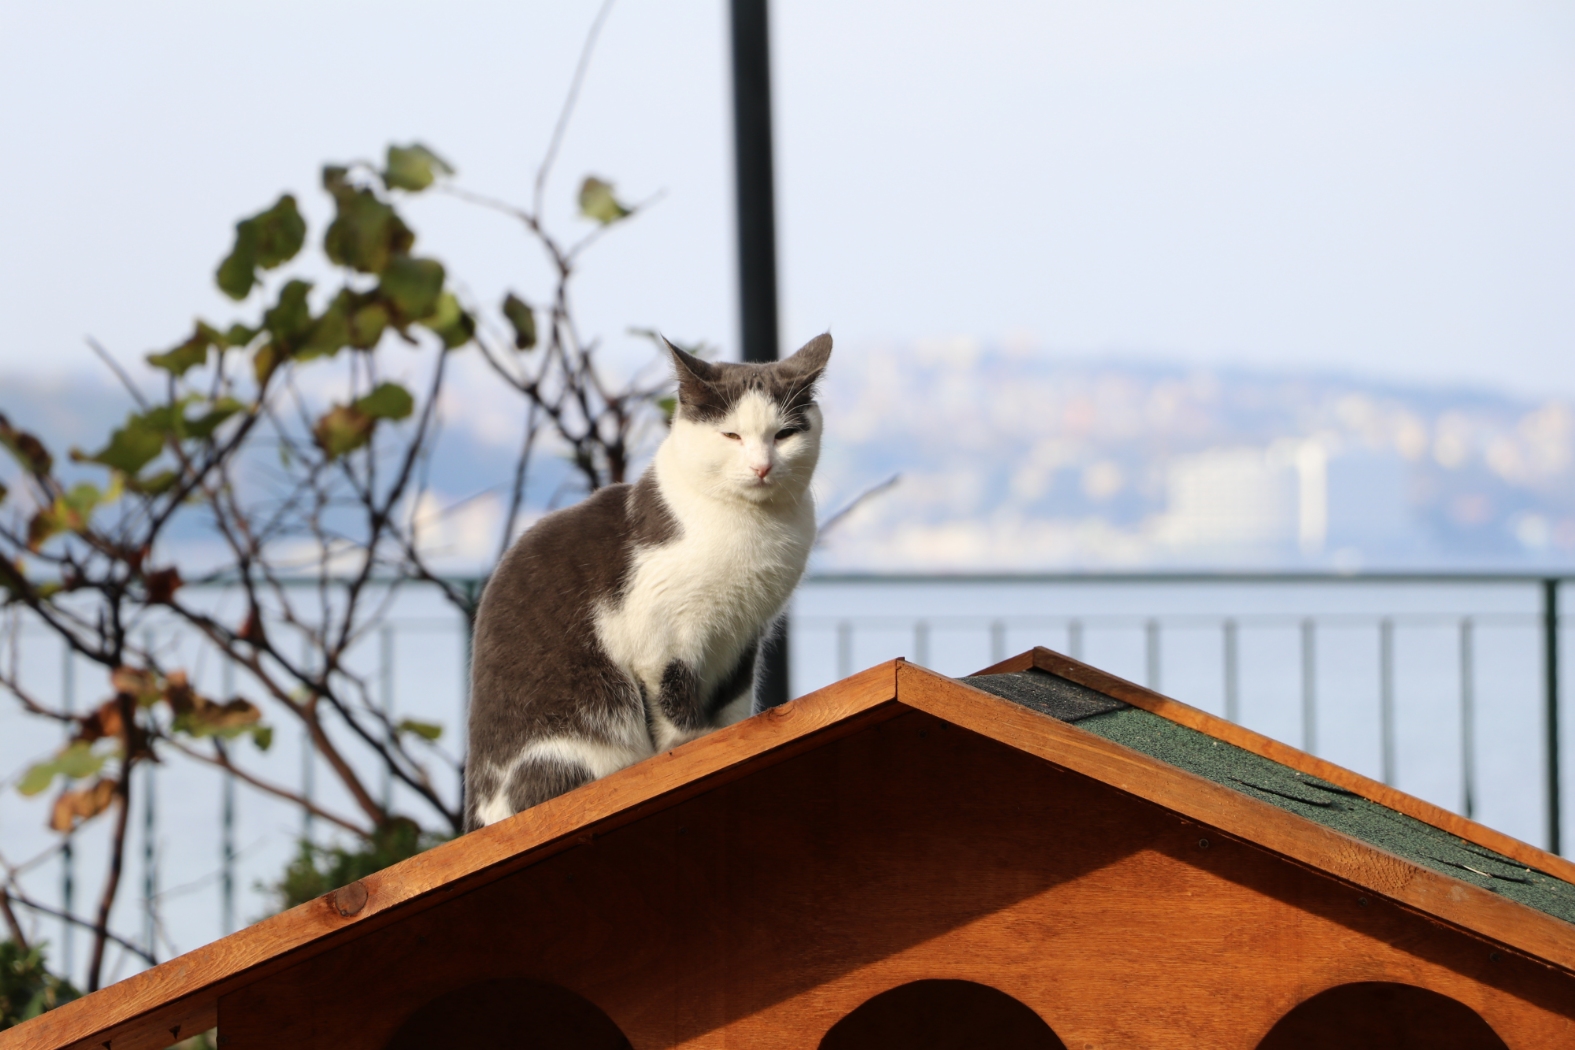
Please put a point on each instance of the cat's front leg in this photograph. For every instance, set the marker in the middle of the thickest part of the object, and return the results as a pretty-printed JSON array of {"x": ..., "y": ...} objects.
[{"x": 677, "y": 710}]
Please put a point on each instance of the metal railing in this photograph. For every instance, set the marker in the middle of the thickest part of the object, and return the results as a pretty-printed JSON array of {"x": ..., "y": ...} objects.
[{"x": 1213, "y": 640}]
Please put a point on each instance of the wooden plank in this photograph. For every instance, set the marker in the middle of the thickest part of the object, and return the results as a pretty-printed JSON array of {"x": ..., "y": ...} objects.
[
  {"x": 1221, "y": 729},
  {"x": 759, "y": 914},
  {"x": 1362, "y": 865},
  {"x": 141, "y": 1008}
]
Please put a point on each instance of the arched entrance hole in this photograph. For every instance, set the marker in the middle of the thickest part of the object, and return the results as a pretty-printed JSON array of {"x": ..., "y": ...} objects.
[
  {"x": 1377, "y": 1015},
  {"x": 942, "y": 1015},
  {"x": 510, "y": 1015}
]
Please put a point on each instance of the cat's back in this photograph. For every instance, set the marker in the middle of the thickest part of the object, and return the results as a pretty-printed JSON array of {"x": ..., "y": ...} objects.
[{"x": 556, "y": 571}]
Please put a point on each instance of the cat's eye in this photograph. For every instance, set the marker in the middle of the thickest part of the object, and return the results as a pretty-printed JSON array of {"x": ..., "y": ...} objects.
[
  {"x": 786, "y": 432},
  {"x": 731, "y": 436}
]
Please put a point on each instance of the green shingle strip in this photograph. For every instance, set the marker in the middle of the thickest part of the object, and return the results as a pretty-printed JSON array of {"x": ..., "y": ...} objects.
[{"x": 1279, "y": 785}]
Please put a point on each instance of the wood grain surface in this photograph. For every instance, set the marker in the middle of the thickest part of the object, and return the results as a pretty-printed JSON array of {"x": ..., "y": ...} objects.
[
  {"x": 137, "y": 1013},
  {"x": 760, "y": 913}
]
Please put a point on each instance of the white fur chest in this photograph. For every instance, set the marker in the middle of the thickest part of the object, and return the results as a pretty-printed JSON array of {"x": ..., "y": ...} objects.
[{"x": 704, "y": 597}]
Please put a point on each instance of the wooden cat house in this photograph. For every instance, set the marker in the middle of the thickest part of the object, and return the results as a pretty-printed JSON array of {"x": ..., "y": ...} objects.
[{"x": 1037, "y": 856}]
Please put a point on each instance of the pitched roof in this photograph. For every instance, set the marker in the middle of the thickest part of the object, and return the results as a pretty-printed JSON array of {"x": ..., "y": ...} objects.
[{"x": 1307, "y": 810}]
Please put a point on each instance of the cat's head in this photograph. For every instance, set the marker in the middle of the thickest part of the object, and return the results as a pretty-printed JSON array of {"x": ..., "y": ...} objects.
[{"x": 748, "y": 431}]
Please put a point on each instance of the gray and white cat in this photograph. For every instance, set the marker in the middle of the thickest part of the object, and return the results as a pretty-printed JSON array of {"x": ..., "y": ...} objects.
[{"x": 628, "y": 624}]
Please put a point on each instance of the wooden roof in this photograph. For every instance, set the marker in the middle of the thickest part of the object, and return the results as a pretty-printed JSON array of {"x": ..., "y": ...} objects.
[{"x": 180, "y": 997}]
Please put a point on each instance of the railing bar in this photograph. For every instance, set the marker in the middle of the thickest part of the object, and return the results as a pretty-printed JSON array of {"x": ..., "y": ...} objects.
[
  {"x": 1232, "y": 670},
  {"x": 1386, "y": 699},
  {"x": 68, "y": 703},
  {"x": 1309, "y": 688},
  {"x": 150, "y": 830},
  {"x": 1151, "y": 653},
  {"x": 227, "y": 826},
  {"x": 1550, "y": 661},
  {"x": 1468, "y": 722},
  {"x": 385, "y": 674},
  {"x": 308, "y": 754}
]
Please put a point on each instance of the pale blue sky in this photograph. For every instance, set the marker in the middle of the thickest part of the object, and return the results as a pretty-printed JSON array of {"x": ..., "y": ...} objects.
[{"x": 1386, "y": 187}]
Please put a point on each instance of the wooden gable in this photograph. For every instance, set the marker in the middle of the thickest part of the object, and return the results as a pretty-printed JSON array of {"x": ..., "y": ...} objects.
[{"x": 777, "y": 882}]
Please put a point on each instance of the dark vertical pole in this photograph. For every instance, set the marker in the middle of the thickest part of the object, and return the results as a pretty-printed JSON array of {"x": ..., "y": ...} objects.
[
  {"x": 1550, "y": 663},
  {"x": 757, "y": 250}
]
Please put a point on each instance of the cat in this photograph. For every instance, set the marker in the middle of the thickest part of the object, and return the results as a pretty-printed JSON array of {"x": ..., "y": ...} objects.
[{"x": 629, "y": 623}]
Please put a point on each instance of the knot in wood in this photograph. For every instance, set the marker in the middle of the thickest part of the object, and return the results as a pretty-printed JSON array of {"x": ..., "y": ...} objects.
[{"x": 349, "y": 900}]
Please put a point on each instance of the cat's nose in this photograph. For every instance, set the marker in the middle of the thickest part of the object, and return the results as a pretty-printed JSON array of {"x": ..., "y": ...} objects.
[{"x": 762, "y": 470}]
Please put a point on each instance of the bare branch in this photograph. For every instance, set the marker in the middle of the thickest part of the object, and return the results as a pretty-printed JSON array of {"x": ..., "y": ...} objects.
[{"x": 568, "y": 103}]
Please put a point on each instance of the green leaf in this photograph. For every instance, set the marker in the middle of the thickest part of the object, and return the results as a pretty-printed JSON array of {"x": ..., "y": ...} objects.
[
  {"x": 367, "y": 324},
  {"x": 451, "y": 323},
  {"x": 366, "y": 234},
  {"x": 412, "y": 286},
  {"x": 38, "y": 778},
  {"x": 523, "y": 318},
  {"x": 155, "y": 484},
  {"x": 668, "y": 405},
  {"x": 280, "y": 233},
  {"x": 238, "y": 271},
  {"x": 342, "y": 429},
  {"x": 329, "y": 333},
  {"x": 413, "y": 167},
  {"x": 597, "y": 201},
  {"x": 290, "y": 318},
  {"x": 238, "y": 335},
  {"x": 193, "y": 353},
  {"x": 132, "y": 446},
  {"x": 204, "y": 425},
  {"x": 78, "y": 760},
  {"x": 74, "y": 763},
  {"x": 262, "y": 736},
  {"x": 424, "y": 730},
  {"x": 266, "y": 240},
  {"x": 386, "y": 401}
]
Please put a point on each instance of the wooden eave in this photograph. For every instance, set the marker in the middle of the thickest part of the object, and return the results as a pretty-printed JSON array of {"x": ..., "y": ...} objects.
[{"x": 180, "y": 997}]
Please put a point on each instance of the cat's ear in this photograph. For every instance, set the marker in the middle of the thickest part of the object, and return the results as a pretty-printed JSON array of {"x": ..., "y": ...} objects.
[
  {"x": 809, "y": 360},
  {"x": 695, "y": 390},
  {"x": 803, "y": 370}
]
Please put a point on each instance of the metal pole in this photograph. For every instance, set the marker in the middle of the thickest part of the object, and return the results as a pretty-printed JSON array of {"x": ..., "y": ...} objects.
[
  {"x": 757, "y": 250},
  {"x": 1309, "y": 688},
  {"x": 1074, "y": 639},
  {"x": 997, "y": 641},
  {"x": 1151, "y": 654},
  {"x": 385, "y": 673},
  {"x": 921, "y": 644},
  {"x": 1550, "y": 664},
  {"x": 1468, "y": 721},
  {"x": 227, "y": 832},
  {"x": 1232, "y": 675},
  {"x": 150, "y": 877},
  {"x": 150, "y": 873},
  {"x": 844, "y": 649},
  {"x": 68, "y": 691},
  {"x": 1386, "y": 698},
  {"x": 308, "y": 751}
]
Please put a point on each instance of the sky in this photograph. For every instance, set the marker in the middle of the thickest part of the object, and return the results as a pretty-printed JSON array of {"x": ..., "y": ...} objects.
[{"x": 1382, "y": 188}]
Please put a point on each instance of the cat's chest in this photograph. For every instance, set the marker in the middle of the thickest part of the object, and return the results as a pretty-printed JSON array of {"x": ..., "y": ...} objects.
[{"x": 706, "y": 593}]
